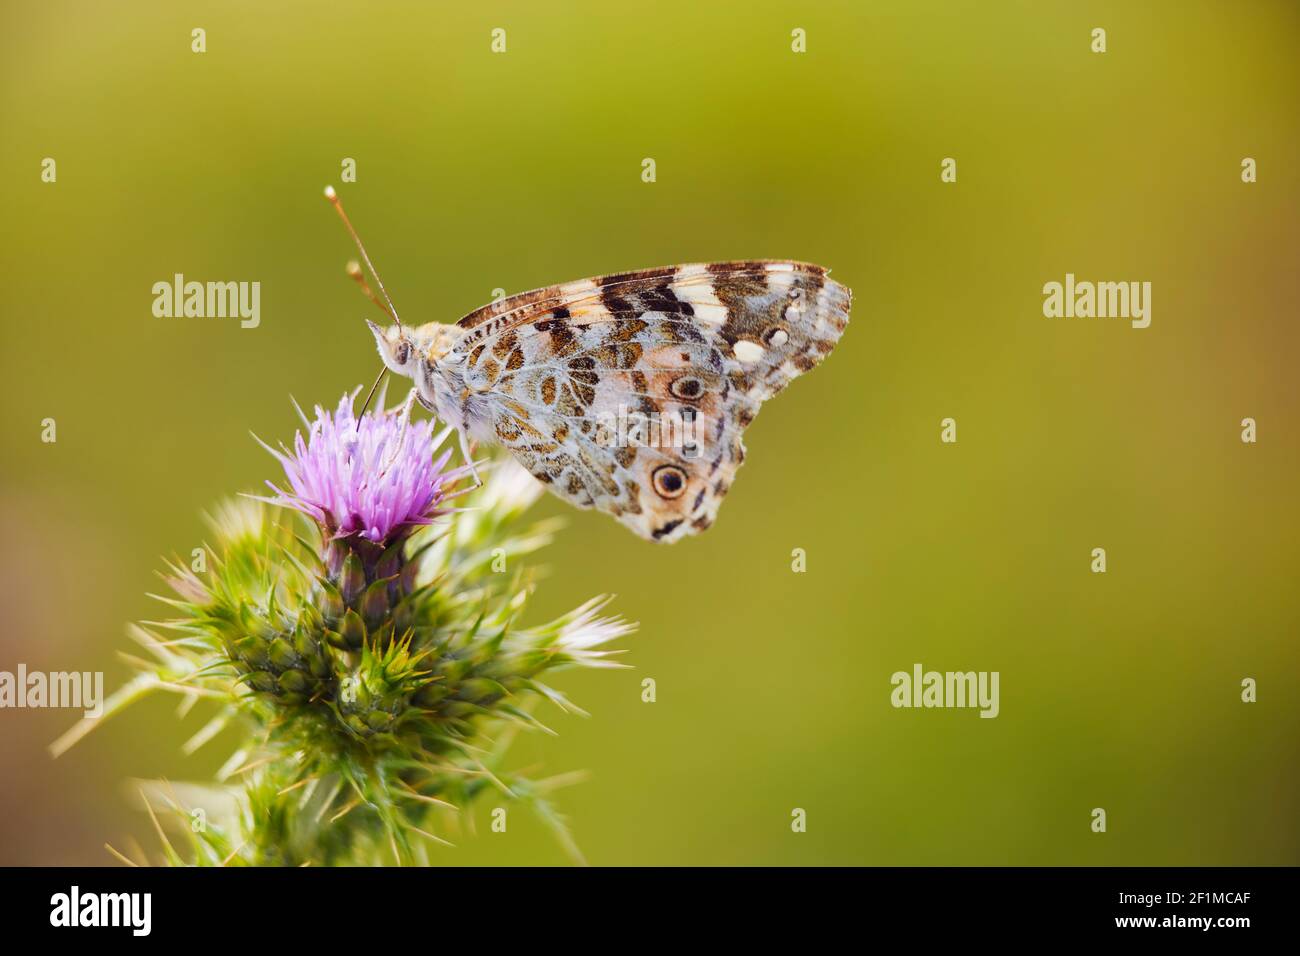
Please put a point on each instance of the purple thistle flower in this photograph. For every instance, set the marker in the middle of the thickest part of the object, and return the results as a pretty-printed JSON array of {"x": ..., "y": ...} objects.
[{"x": 373, "y": 477}]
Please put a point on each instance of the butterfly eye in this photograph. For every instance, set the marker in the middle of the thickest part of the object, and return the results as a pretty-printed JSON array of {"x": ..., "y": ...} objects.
[
  {"x": 403, "y": 353},
  {"x": 775, "y": 337},
  {"x": 686, "y": 387},
  {"x": 669, "y": 481}
]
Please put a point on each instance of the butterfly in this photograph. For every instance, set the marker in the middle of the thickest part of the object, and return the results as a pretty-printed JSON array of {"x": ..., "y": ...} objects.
[{"x": 627, "y": 393}]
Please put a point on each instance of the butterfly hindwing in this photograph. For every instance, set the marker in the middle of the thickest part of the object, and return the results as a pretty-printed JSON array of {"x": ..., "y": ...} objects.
[{"x": 629, "y": 393}]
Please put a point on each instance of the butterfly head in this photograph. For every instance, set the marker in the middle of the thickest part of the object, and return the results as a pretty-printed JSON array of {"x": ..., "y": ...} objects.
[
  {"x": 404, "y": 348},
  {"x": 396, "y": 346}
]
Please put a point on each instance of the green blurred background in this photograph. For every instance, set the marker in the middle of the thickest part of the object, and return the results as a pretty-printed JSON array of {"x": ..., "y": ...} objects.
[{"x": 479, "y": 170}]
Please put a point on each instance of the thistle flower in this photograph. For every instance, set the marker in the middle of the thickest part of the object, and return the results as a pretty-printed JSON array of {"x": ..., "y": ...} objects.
[
  {"x": 377, "y": 665},
  {"x": 374, "y": 478},
  {"x": 369, "y": 485}
]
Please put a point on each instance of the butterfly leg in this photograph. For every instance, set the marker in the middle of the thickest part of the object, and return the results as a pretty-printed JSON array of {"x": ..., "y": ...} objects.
[
  {"x": 467, "y": 453},
  {"x": 405, "y": 417},
  {"x": 466, "y": 448},
  {"x": 405, "y": 414}
]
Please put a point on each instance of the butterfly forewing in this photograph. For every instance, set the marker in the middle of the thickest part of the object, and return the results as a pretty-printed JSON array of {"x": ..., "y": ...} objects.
[{"x": 629, "y": 392}]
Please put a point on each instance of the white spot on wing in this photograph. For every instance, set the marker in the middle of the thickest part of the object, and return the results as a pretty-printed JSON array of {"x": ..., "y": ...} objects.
[
  {"x": 781, "y": 281},
  {"x": 710, "y": 314},
  {"x": 747, "y": 351},
  {"x": 582, "y": 299},
  {"x": 703, "y": 300}
]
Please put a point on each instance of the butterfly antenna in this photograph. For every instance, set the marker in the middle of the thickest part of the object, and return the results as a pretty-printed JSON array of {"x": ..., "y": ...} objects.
[
  {"x": 333, "y": 197},
  {"x": 354, "y": 272}
]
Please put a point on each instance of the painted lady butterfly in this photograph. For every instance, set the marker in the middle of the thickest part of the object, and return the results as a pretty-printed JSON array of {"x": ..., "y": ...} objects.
[{"x": 627, "y": 393}]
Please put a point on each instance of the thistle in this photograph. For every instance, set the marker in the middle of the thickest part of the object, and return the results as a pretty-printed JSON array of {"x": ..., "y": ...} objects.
[{"x": 363, "y": 636}]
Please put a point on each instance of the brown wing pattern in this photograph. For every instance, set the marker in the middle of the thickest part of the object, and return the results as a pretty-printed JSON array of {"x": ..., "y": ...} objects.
[{"x": 629, "y": 393}]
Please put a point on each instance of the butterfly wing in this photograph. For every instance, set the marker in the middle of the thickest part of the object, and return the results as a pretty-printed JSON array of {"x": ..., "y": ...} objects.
[{"x": 629, "y": 393}]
